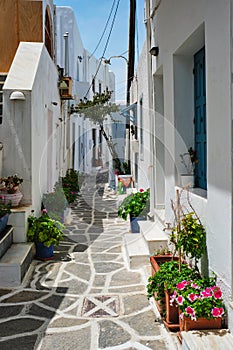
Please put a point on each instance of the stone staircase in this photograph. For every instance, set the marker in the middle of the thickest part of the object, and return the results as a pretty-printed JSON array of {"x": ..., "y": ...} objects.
[
  {"x": 15, "y": 259},
  {"x": 139, "y": 246}
]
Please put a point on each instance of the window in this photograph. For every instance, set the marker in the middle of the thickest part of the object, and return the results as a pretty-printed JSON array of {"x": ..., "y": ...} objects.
[
  {"x": 200, "y": 118},
  {"x": 141, "y": 129},
  {"x": 48, "y": 32}
]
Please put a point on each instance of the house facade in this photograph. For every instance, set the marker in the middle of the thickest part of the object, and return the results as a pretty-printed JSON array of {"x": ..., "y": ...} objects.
[
  {"x": 189, "y": 63},
  {"x": 86, "y": 149}
]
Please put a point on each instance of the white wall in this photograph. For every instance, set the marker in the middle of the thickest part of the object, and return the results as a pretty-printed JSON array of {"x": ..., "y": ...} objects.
[
  {"x": 25, "y": 123},
  {"x": 183, "y": 28}
]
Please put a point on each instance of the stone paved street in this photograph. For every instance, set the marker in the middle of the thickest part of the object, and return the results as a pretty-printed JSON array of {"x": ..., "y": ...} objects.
[{"x": 86, "y": 298}]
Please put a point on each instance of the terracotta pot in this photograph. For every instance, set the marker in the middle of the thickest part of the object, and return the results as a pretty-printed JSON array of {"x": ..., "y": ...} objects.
[
  {"x": 163, "y": 305},
  {"x": 186, "y": 324}
]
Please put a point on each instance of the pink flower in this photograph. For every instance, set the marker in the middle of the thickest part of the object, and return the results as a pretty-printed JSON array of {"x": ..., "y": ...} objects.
[
  {"x": 181, "y": 285},
  {"x": 172, "y": 297},
  {"x": 205, "y": 294},
  {"x": 194, "y": 285},
  {"x": 141, "y": 190},
  {"x": 189, "y": 310},
  {"x": 193, "y": 297},
  {"x": 180, "y": 300},
  {"x": 44, "y": 211},
  {"x": 217, "y": 311},
  {"x": 218, "y": 294}
]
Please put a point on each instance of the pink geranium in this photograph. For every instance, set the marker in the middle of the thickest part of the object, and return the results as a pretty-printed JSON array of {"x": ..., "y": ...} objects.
[
  {"x": 181, "y": 285},
  {"x": 180, "y": 300},
  {"x": 44, "y": 211},
  {"x": 218, "y": 294},
  {"x": 217, "y": 311},
  {"x": 141, "y": 190},
  {"x": 189, "y": 310},
  {"x": 192, "y": 297},
  {"x": 206, "y": 294}
]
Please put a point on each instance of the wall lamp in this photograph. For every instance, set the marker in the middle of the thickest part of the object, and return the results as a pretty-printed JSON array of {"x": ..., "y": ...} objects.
[
  {"x": 108, "y": 61},
  {"x": 17, "y": 95},
  {"x": 80, "y": 58},
  {"x": 154, "y": 51}
]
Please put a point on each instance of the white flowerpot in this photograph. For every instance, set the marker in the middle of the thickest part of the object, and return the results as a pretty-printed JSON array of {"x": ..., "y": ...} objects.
[{"x": 187, "y": 180}]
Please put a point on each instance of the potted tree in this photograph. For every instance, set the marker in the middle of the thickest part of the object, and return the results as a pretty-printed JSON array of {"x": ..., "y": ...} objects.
[
  {"x": 136, "y": 206},
  {"x": 45, "y": 232}
]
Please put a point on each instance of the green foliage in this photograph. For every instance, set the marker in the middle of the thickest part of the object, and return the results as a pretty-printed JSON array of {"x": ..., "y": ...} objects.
[
  {"x": 126, "y": 168},
  {"x": 136, "y": 204},
  {"x": 55, "y": 202},
  {"x": 97, "y": 109},
  {"x": 70, "y": 184},
  {"x": 199, "y": 298},
  {"x": 167, "y": 278},
  {"x": 44, "y": 230},
  {"x": 192, "y": 236},
  {"x": 5, "y": 209}
]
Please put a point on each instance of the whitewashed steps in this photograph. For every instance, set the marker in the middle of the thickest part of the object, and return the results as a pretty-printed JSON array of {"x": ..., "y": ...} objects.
[
  {"x": 6, "y": 239},
  {"x": 136, "y": 250},
  {"x": 14, "y": 264},
  {"x": 207, "y": 340},
  {"x": 154, "y": 236}
]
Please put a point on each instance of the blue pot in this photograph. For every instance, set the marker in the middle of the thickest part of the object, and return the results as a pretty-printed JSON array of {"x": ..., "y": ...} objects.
[
  {"x": 134, "y": 223},
  {"x": 3, "y": 222},
  {"x": 43, "y": 252}
]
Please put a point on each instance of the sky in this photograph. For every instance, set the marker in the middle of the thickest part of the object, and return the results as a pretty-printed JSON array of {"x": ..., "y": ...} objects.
[{"x": 92, "y": 15}]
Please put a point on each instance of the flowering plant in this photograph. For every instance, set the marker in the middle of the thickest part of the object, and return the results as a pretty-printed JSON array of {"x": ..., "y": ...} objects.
[
  {"x": 44, "y": 229},
  {"x": 11, "y": 183},
  {"x": 189, "y": 159},
  {"x": 135, "y": 204},
  {"x": 198, "y": 298}
]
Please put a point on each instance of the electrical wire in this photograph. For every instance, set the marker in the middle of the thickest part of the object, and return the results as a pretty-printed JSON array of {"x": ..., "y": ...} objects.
[
  {"x": 105, "y": 28},
  {"x": 106, "y": 45}
]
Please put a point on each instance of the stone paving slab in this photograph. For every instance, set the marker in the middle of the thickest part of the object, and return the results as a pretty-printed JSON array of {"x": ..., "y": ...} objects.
[{"x": 86, "y": 298}]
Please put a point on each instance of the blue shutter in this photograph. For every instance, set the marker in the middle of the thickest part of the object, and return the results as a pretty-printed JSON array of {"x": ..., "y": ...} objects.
[{"x": 200, "y": 118}]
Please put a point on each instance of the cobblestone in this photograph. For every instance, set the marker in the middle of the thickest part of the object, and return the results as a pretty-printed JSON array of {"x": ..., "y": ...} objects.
[{"x": 86, "y": 298}]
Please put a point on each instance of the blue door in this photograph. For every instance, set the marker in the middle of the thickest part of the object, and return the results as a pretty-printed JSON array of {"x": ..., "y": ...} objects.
[{"x": 200, "y": 118}]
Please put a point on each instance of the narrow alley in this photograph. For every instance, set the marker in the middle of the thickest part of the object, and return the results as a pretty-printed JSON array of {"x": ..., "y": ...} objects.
[{"x": 86, "y": 298}]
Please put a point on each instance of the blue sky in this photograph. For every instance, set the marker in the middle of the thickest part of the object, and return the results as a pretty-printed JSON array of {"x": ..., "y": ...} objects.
[{"x": 91, "y": 18}]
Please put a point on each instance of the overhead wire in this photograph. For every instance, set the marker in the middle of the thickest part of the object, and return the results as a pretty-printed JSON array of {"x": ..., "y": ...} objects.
[
  {"x": 105, "y": 47},
  {"x": 105, "y": 28}
]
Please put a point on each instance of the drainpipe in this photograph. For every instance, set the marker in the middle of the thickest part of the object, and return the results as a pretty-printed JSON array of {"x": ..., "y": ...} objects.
[
  {"x": 151, "y": 118},
  {"x": 66, "y": 109}
]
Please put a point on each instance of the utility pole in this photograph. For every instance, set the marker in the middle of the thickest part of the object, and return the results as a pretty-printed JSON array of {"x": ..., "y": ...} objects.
[
  {"x": 130, "y": 71},
  {"x": 131, "y": 48}
]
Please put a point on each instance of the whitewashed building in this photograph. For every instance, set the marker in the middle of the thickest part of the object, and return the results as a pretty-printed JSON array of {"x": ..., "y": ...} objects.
[
  {"x": 86, "y": 148},
  {"x": 189, "y": 62}
]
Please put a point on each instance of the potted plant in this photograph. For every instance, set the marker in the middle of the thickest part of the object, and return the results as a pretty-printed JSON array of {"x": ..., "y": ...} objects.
[
  {"x": 10, "y": 187},
  {"x": 200, "y": 303},
  {"x": 188, "y": 237},
  {"x": 45, "y": 232},
  {"x": 189, "y": 160},
  {"x": 70, "y": 185},
  {"x": 136, "y": 206},
  {"x": 55, "y": 202},
  {"x": 162, "y": 283},
  {"x": 5, "y": 210}
]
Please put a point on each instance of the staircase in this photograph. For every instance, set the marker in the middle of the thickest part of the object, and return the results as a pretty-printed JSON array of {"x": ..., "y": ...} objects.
[
  {"x": 139, "y": 246},
  {"x": 15, "y": 259}
]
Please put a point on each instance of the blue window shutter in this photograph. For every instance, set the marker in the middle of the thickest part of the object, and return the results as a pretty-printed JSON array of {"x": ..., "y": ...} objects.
[{"x": 200, "y": 118}]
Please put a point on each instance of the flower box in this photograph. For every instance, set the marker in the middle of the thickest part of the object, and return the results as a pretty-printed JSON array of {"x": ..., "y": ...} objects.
[{"x": 186, "y": 324}]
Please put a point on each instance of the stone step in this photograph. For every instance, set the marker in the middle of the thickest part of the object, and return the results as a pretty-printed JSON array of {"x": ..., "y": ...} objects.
[
  {"x": 154, "y": 236},
  {"x": 220, "y": 339},
  {"x": 6, "y": 239},
  {"x": 14, "y": 264},
  {"x": 137, "y": 252}
]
